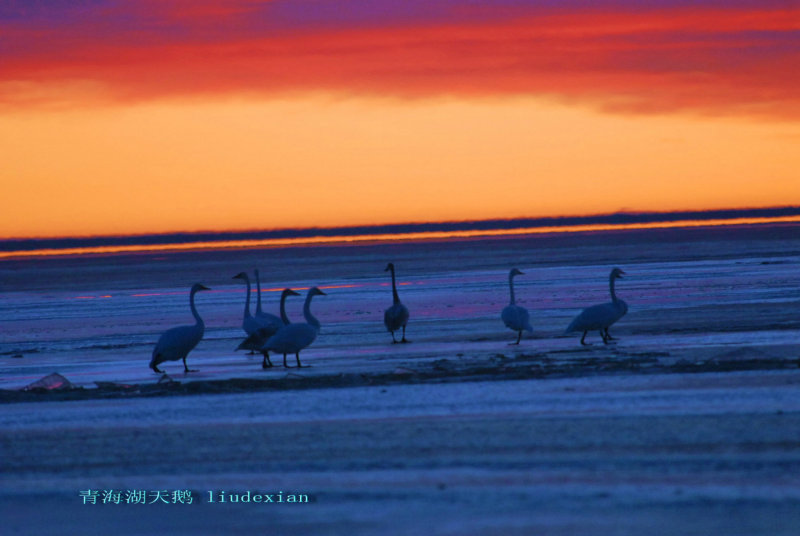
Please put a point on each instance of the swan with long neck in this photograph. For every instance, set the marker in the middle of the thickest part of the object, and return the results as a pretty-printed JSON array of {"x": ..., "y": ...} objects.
[
  {"x": 268, "y": 318},
  {"x": 396, "y": 316},
  {"x": 264, "y": 326},
  {"x": 602, "y": 316},
  {"x": 285, "y": 294},
  {"x": 176, "y": 343},
  {"x": 255, "y": 342},
  {"x": 292, "y": 338},
  {"x": 514, "y": 316},
  {"x": 249, "y": 323}
]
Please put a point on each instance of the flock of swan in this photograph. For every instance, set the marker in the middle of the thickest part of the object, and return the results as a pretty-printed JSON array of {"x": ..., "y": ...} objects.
[{"x": 269, "y": 333}]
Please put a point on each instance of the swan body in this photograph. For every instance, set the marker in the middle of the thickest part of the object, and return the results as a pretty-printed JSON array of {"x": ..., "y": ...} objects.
[
  {"x": 255, "y": 342},
  {"x": 176, "y": 343},
  {"x": 514, "y": 316},
  {"x": 292, "y": 338},
  {"x": 601, "y": 317},
  {"x": 396, "y": 316}
]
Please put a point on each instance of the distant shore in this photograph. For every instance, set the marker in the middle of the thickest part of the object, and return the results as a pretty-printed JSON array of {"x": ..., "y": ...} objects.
[{"x": 25, "y": 247}]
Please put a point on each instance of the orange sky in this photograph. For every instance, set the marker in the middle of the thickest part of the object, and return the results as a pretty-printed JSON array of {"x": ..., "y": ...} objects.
[{"x": 468, "y": 117}]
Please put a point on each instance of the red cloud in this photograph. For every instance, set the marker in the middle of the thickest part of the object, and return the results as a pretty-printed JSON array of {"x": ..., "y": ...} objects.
[{"x": 710, "y": 61}]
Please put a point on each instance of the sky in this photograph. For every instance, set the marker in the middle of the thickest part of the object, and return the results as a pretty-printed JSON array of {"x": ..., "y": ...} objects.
[{"x": 153, "y": 116}]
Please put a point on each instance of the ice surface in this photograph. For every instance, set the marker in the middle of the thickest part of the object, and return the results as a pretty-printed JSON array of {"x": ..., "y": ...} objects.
[{"x": 688, "y": 424}]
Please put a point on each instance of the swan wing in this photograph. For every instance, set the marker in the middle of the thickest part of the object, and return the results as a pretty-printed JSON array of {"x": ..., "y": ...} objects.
[
  {"x": 254, "y": 324},
  {"x": 395, "y": 317},
  {"x": 176, "y": 343},
  {"x": 516, "y": 317},
  {"x": 254, "y": 341},
  {"x": 291, "y": 338},
  {"x": 596, "y": 317}
]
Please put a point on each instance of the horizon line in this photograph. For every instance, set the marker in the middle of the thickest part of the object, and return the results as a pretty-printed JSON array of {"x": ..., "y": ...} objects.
[
  {"x": 393, "y": 232},
  {"x": 619, "y": 217}
]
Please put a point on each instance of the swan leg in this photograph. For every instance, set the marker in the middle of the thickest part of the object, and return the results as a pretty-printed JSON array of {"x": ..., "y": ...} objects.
[
  {"x": 297, "y": 356},
  {"x": 186, "y": 367},
  {"x": 266, "y": 363},
  {"x": 583, "y": 342},
  {"x": 608, "y": 336},
  {"x": 404, "y": 335},
  {"x": 603, "y": 335},
  {"x": 156, "y": 369},
  {"x": 284, "y": 362},
  {"x": 394, "y": 341}
]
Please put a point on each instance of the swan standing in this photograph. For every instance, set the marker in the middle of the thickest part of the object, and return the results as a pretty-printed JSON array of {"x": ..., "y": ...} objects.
[
  {"x": 396, "y": 316},
  {"x": 601, "y": 317},
  {"x": 256, "y": 326},
  {"x": 270, "y": 319},
  {"x": 176, "y": 343},
  {"x": 514, "y": 316},
  {"x": 256, "y": 340},
  {"x": 292, "y": 338},
  {"x": 249, "y": 323}
]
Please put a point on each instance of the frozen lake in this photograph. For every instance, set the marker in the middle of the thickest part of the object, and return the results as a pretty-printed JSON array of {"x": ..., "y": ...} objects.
[{"x": 688, "y": 424}]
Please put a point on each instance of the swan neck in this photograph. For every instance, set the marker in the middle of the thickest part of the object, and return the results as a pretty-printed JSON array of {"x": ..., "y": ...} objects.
[
  {"x": 247, "y": 300},
  {"x": 395, "y": 297},
  {"x": 511, "y": 287},
  {"x": 307, "y": 312},
  {"x": 284, "y": 318},
  {"x": 258, "y": 294},
  {"x": 195, "y": 314},
  {"x": 611, "y": 287}
]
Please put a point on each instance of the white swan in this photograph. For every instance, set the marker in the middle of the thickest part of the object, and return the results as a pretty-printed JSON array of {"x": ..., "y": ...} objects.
[
  {"x": 176, "y": 343},
  {"x": 266, "y": 317},
  {"x": 396, "y": 316},
  {"x": 249, "y": 323},
  {"x": 285, "y": 294},
  {"x": 601, "y": 317},
  {"x": 292, "y": 338},
  {"x": 252, "y": 324},
  {"x": 514, "y": 316},
  {"x": 255, "y": 342}
]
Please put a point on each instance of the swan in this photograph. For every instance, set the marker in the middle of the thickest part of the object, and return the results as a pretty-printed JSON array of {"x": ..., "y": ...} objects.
[
  {"x": 256, "y": 340},
  {"x": 176, "y": 343},
  {"x": 514, "y": 316},
  {"x": 249, "y": 323},
  {"x": 253, "y": 324},
  {"x": 267, "y": 317},
  {"x": 601, "y": 317},
  {"x": 396, "y": 316},
  {"x": 292, "y": 338}
]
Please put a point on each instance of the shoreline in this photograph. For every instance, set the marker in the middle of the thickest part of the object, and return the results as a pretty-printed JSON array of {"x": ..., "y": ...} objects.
[{"x": 496, "y": 368}]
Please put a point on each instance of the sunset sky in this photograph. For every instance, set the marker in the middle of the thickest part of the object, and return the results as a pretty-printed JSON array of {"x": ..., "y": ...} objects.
[{"x": 151, "y": 116}]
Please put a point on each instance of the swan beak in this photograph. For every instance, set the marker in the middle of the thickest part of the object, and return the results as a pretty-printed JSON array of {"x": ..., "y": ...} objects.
[
  {"x": 322, "y": 293},
  {"x": 203, "y": 287}
]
